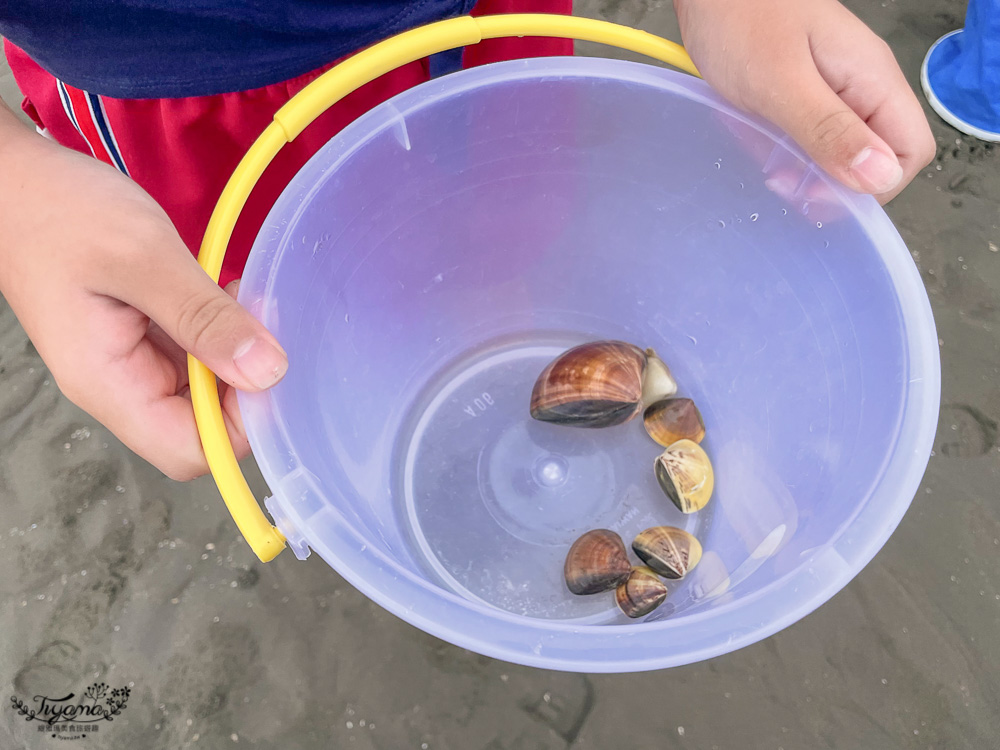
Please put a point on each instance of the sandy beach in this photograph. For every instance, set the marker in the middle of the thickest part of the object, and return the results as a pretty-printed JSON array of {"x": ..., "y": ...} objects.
[{"x": 113, "y": 573}]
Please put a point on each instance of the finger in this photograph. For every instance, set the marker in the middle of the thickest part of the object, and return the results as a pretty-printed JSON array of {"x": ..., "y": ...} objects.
[
  {"x": 231, "y": 417},
  {"x": 233, "y": 288},
  {"x": 832, "y": 133},
  {"x": 884, "y": 100},
  {"x": 152, "y": 416},
  {"x": 174, "y": 422},
  {"x": 146, "y": 407},
  {"x": 230, "y": 404},
  {"x": 165, "y": 433},
  {"x": 170, "y": 349},
  {"x": 900, "y": 121},
  {"x": 234, "y": 422},
  {"x": 202, "y": 318}
]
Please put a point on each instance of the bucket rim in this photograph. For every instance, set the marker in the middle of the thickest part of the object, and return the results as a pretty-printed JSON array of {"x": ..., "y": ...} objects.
[{"x": 640, "y": 646}]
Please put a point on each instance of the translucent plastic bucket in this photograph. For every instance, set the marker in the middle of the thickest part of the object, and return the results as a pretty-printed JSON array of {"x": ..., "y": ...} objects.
[{"x": 423, "y": 268}]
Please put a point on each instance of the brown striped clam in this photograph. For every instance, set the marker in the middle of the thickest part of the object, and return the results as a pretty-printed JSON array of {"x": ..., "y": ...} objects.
[
  {"x": 669, "y": 551},
  {"x": 596, "y": 562},
  {"x": 673, "y": 419},
  {"x": 641, "y": 593},
  {"x": 685, "y": 475},
  {"x": 598, "y": 384}
]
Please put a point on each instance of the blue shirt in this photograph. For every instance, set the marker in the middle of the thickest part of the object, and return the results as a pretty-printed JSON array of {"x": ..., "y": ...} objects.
[{"x": 139, "y": 49}]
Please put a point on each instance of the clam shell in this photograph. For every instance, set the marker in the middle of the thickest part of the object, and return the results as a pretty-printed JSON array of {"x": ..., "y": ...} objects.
[
  {"x": 596, "y": 562},
  {"x": 593, "y": 385},
  {"x": 685, "y": 474},
  {"x": 669, "y": 551},
  {"x": 657, "y": 381},
  {"x": 641, "y": 593},
  {"x": 674, "y": 419}
]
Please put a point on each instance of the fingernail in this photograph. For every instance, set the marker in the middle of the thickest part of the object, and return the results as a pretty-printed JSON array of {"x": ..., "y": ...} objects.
[
  {"x": 875, "y": 171},
  {"x": 260, "y": 362}
]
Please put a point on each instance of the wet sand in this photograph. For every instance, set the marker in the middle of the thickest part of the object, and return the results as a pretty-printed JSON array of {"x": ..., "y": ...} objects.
[{"x": 113, "y": 573}]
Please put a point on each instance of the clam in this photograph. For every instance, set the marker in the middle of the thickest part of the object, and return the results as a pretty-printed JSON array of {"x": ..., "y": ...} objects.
[
  {"x": 593, "y": 385},
  {"x": 669, "y": 551},
  {"x": 596, "y": 562},
  {"x": 674, "y": 419},
  {"x": 641, "y": 593},
  {"x": 657, "y": 382},
  {"x": 685, "y": 475}
]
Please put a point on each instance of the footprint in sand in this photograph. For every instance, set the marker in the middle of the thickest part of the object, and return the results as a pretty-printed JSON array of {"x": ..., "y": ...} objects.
[
  {"x": 964, "y": 432},
  {"x": 56, "y": 668},
  {"x": 199, "y": 682}
]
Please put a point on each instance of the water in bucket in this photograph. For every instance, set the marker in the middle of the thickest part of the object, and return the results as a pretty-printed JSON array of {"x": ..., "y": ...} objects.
[{"x": 537, "y": 487}]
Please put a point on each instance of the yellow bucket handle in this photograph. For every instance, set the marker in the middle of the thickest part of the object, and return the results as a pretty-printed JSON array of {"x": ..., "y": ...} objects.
[{"x": 265, "y": 540}]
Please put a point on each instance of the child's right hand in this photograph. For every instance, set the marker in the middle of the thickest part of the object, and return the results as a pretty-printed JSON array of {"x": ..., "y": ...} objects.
[{"x": 112, "y": 300}]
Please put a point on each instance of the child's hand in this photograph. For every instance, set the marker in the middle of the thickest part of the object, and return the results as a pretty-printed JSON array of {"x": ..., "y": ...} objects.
[
  {"x": 820, "y": 74},
  {"x": 103, "y": 285}
]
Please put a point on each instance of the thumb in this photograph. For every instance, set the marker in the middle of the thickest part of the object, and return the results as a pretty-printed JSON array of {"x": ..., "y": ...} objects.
[
  {"x": 833, "y": 134},
  {"x": 207, "y": 322}
]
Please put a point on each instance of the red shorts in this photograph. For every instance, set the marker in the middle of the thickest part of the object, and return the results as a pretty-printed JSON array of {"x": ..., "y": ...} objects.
[{"x": 182, "y": 151}]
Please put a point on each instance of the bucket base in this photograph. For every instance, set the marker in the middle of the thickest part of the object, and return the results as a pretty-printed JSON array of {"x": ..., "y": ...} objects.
[{"x": 535, "y": 487}]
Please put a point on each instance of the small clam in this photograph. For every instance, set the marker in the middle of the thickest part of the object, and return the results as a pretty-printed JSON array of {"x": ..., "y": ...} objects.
[
  {"x": 593, "y": 385},
  {"x": 674, "y": 419},
  {"x": 669, "y": 551},
  {"x": 596, "y": 562},
  {"x": 657, "y": 382},
  {"x": 685, "y": 475},
  {"x": 641, "y": 593}
]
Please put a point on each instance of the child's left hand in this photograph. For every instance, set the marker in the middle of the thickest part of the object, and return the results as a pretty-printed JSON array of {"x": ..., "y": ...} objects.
[{"x": 820, "y": 74}]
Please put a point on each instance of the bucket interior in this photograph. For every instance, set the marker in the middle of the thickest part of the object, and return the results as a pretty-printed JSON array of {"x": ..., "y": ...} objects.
[{"x": 427, "y": 264}]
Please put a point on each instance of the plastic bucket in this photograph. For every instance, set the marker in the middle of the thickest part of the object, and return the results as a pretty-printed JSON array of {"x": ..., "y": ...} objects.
[{"x": 428, "y": 262}]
